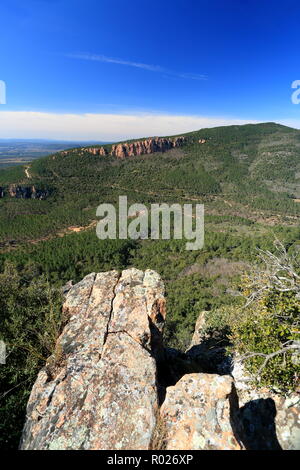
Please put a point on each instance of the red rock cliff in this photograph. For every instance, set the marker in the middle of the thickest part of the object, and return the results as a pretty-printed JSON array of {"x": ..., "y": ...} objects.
[{"x": 141, "y": 147}]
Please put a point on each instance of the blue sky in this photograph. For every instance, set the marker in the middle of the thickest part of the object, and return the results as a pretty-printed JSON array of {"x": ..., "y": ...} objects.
[{"x": 112, "y": 69}]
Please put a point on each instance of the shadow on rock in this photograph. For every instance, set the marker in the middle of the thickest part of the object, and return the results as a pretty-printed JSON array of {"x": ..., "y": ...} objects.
[{"x": 258, "y": 421}]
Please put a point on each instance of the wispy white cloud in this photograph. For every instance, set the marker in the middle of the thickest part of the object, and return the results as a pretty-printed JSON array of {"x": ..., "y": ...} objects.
[
  {"x": 108, "y": 127},
  {"x": 111, "y": 60},
  {"x": 139, "y": 65}
]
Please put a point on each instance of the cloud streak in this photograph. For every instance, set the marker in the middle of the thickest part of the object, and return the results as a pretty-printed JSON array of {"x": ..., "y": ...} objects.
[
  {"x": 107, "y": 127},
  {"x": 139, "y": 65}
]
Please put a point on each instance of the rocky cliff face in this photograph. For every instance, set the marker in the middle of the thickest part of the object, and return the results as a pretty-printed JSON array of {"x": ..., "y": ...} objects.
[
  {"x": 140, "y": 147},
  {"x": 24, "y": 192},
  {"x": 111, "y": 384}
]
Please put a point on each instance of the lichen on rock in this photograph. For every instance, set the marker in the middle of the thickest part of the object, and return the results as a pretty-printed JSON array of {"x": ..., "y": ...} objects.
[{"x": 111, "y": 385}]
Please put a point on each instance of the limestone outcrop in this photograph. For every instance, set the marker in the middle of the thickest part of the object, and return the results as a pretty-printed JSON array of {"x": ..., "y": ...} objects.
[{"x": 111, "y": 385}]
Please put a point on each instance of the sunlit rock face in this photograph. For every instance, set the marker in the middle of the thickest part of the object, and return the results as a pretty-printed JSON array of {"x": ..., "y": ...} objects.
[{"x": 146, "y": 147}]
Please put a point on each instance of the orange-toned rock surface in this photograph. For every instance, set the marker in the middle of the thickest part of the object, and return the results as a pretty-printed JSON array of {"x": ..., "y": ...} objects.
[
  {"x": 198, "y": 413},
  {"x": 95, "y": 150},
  {"x": 101, "y": 393}
]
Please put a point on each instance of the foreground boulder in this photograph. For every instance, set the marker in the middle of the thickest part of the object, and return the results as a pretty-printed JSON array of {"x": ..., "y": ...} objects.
[
  {"x": 111, "y": 385},
  {"x": 268, "y": 421},
  {"x": 99, "y": 389}
]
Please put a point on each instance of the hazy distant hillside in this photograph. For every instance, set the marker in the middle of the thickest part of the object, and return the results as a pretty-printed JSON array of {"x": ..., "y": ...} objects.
[{"x": 13, "y": 152}]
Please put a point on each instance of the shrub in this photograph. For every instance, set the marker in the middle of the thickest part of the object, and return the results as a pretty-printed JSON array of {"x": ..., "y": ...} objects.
[
  {"x": 265, "y": 331},
  {"x": 31, "y": 320}
]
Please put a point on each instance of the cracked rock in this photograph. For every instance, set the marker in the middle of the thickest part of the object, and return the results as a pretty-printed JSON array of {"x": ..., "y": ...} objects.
[{"x": 101, "y": 392}]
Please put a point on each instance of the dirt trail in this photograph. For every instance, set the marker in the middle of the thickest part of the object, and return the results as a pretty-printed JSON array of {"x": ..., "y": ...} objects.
[{"x": 7, "y": 246}]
